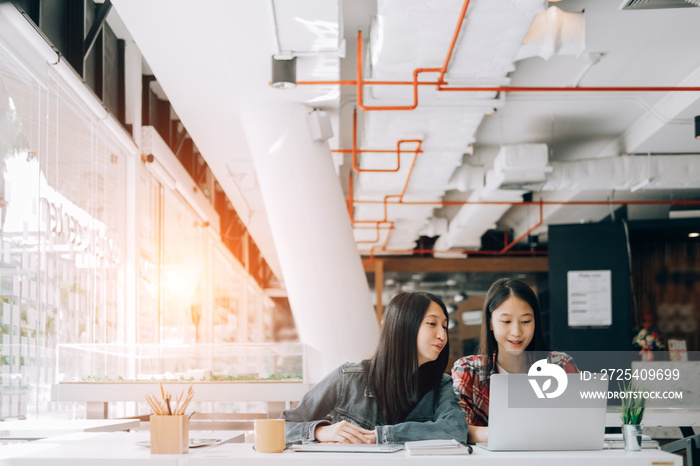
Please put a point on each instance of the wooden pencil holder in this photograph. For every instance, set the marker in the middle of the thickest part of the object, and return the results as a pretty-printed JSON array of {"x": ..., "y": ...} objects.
[{"x": 170, "y": 434}]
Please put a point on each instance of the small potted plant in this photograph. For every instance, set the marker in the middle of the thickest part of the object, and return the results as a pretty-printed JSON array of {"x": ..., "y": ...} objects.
[{"x": 633, "y": 404}]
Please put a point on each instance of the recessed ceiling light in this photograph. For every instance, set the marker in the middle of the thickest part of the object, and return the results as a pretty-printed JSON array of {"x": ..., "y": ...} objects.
[{"x": 694, "y": 234}]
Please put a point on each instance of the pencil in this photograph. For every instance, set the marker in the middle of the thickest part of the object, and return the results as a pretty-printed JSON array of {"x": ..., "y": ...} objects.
[
  {"x": 153, "y": 403},
  {"x": 177, "y": 403},
  {"x": 150, "y": 404}
]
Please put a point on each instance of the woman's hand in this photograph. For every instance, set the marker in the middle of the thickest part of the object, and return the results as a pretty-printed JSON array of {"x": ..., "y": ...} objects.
[
  {"x": 344, "y": 432},
  {"x": 478, "y": 434}
]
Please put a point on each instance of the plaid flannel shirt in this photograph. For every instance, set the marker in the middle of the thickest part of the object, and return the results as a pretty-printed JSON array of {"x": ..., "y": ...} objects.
[{"x": 469, "y": 384}]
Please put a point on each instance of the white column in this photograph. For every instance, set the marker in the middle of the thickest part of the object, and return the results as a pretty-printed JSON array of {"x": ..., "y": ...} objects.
[{"x": 323, "y": 274}]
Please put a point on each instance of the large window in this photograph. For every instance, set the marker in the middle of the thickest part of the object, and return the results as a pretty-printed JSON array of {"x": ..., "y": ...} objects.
[
  {"x": 148, "y": 258},
  {"x": 62, "y": 235},
  {"x": 229, "y": 298},
  {"x": 95, "y": 249},
  {"x": 184, "y": 267}
]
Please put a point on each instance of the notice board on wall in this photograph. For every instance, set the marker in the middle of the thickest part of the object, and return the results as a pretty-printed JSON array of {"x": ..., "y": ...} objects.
[
  {"x": 589, "y": 248},
  {"x": 589, "y": 294}
]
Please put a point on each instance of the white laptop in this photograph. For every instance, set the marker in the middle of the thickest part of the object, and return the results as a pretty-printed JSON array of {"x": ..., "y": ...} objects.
[{"x": 521, "y": 419}]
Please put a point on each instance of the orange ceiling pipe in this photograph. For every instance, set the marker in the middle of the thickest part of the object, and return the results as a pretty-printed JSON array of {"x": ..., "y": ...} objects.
[
  {"x": 378, "y": 223},
  {"x": 350, "y": 202},
  {"x": 571, "y": 89},
  {"x": 377, "y": 236},
  {"x": 541, "y": 202},
  {"x": 386, "y": 201},
  {"x": 441, "y": 84},
  {"x": 505, "y": 249},
  {"x": 443, "y": 70},
  {"x": 383, "y": 224},
  {"x": 474, "y": 252},
  {"x": 355, "y": 151},
  {"x": 517, "y": 240},
  {"x": 381, "y": 227},
  {"x": 360, "y": 83}
]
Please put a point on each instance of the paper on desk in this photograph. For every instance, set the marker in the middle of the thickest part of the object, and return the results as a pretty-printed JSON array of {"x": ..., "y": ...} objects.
[{"x": 433, "y": 444}]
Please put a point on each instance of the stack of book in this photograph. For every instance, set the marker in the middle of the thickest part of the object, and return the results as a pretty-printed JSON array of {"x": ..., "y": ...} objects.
[{"x": 437, "y": 447}]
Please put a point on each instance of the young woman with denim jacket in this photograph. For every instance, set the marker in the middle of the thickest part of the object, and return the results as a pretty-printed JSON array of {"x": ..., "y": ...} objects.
[{"x": 400, "y": 394}]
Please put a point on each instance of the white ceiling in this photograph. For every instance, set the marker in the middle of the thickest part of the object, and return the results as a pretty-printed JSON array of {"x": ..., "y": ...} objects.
[{"x": 213, "y": 57}]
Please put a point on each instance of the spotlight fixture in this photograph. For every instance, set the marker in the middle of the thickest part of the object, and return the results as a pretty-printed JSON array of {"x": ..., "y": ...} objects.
[
  {"x": 694, "y": 234},
  {"x": 451, "y": 308},
  {"x": 461, "y": 296},
  {"x": 697, "y": 127},
  {"x": 284, "y": 72}
]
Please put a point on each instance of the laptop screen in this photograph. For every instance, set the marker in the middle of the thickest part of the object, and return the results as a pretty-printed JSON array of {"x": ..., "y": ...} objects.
[{"x": 527, "y": 414}]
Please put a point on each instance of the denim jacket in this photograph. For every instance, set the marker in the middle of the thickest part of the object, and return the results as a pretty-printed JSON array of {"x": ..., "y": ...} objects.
[{"x": 344, "y": 396}]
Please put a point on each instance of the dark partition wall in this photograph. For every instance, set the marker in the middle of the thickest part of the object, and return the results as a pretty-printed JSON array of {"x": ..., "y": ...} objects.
[{"x": 600, "y": 246}]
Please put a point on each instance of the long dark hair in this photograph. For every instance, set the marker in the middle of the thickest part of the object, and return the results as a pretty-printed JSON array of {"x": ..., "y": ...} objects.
[
  {"x": 499, "y": 291},
  {"x": 393, "y": 374}
]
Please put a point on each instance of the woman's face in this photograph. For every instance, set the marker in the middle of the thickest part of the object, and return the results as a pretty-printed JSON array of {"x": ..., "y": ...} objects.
[
  {"x": 513, "y": 325},
  {"x": 432, "y": 334}
]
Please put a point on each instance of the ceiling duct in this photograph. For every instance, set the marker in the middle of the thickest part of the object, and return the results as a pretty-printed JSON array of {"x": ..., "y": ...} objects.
[
  {"x": 657, "y": 4},
  {"x": 411, "y": 34},
  {"x": 517, "y": 165},
  {"x": 555, "y": 32}
]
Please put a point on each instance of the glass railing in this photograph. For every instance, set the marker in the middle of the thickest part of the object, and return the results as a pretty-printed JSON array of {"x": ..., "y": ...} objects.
[{"x": 188, "y": 362}]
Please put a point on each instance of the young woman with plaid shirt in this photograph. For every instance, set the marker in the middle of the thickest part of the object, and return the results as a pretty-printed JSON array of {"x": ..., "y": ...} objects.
[{"x": 511, "y": 340}]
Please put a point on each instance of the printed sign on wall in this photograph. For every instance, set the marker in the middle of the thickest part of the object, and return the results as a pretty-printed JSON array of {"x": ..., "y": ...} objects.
[{"x": 589, "y": 298}]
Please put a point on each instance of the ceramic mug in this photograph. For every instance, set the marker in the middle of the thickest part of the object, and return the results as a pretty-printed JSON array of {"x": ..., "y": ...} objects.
[{"x": 269, "y": 435}]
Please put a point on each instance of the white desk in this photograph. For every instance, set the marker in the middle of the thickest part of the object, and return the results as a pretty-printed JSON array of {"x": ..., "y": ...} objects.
[
  {"x": 119, "y": 448},
  {"x": 244, "y": 455},
  {"x": 104, "y": 449},
  {"x": 37, "y": 429},
  {"x": 662, "y": 416}
]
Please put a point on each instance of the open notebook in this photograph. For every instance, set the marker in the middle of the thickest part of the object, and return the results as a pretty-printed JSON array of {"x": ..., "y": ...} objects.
[{"x": 348, "y": 447}]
